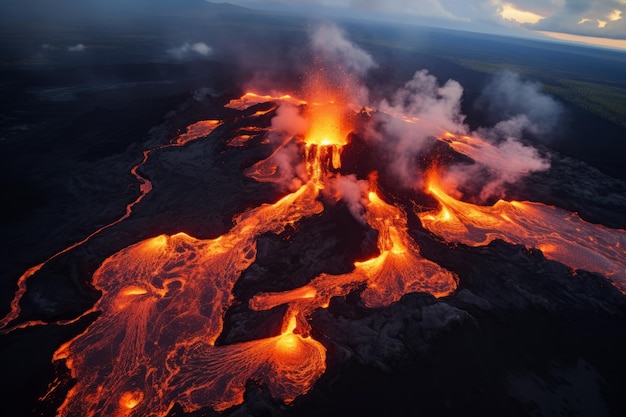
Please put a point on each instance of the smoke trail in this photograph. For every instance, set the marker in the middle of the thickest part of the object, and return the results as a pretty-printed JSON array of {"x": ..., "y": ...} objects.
[
  {"x": 408, "y": 125},
  {"x": 508, "y": 96}
]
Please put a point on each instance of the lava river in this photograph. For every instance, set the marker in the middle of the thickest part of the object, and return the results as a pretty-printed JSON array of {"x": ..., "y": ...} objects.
[
  {"x": 164, "y": 299},
  {"x": 561, "y": 235}
]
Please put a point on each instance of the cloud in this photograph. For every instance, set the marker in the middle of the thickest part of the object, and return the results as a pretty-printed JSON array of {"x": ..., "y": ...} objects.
[
  {"x": 76, "y": 48},
  {"x": 508, "y": 96},
  {"x": 187, "y": 50},
  {"x": 602, "y": 18}
]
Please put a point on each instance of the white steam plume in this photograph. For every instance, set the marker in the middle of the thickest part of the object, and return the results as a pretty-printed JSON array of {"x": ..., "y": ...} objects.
[
  {"x": 419, "y": 111},
  {"x": 290, "y": 172},
  {"x": 422, "y": 110},
  {"x": 342, "y": 62},
  {"x": 352, "y": 192},
  {"x": 331, "y": 45},
  {"x": 77, "y": 48}
]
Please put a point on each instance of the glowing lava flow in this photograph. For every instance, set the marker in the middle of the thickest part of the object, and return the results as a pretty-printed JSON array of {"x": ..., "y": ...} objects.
[
  {"x": 195, "y": 131},
  {"x": 164, "y": 299},
  {"x": 398, "y": 270},
  {"x": 250, "y": 99},
  {"x": 561, "y": 236},
  {"x": 163, "y": 302}
]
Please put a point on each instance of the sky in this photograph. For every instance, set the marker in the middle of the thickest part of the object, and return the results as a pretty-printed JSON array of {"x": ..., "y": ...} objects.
[{"x": 599, "y": 22}]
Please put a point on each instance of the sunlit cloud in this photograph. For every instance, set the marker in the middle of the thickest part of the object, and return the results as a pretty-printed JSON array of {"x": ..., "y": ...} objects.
[
  {"x": 615, "y": 15},
  {"x": 589, "y": 40},
  {"x": 510, "y": 12}
]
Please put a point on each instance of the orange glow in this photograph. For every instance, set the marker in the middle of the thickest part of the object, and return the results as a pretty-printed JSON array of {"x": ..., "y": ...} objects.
[
  {"x": 130, "y": 399},
  {"x": 250, "y": 99},
  {"x": 327, "y": 125},
  {"x": 183, "y": 272},
  {"x": 196, "y": 131},
  {"x": 398, "y": 270},
  {"x": 561, "y": 236}
]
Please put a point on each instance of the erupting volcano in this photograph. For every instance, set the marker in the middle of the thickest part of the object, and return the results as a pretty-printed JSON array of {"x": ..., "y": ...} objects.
[{"x": 164, "y": 300}]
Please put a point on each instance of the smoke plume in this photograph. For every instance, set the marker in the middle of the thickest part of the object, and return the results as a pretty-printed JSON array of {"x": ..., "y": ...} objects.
[
  {"x": 508, "y": 96},
  {"x": 331, "y": 46},
  {"x": 342, "y": 62},
  {"x": 351, "y": 191},
  {"x": 290, "y": 172},
  {"x": 410, "y": 122}
]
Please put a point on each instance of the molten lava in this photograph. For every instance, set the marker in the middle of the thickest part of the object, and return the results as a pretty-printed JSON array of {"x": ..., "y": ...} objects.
[
  {"x": 561, "y": 236},
  {"x": 164, "y": 299},
  {"x": 398, "y": 270}
]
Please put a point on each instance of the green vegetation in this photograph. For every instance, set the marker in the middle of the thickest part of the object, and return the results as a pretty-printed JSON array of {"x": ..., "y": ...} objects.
[
  {"x": 596, "y": 96},
  {"x": 603, "y": 100}
]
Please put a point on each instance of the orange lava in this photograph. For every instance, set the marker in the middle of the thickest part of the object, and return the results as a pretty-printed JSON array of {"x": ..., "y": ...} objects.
[
  {"x": 155, "y": 306},
  {"x": 197, "y": 130},
  {"x": 250, "y": 99},
  {"x": 164, "y": 299},
  {"x": 163, "y": 302},
  {"x": 398, "y": 270},
  {"x": 561, "y": 235}
]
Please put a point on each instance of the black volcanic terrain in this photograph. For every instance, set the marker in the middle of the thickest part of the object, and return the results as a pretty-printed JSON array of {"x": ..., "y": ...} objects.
[{"x": 521, "y": 335}]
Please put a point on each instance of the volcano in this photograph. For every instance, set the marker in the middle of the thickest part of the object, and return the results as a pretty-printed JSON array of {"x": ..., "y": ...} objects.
[{"x": 285, "y": 248}]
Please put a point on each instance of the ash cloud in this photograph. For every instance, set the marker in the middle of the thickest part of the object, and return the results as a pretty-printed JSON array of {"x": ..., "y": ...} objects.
[
  {"x": 504, "y": 161},
  {"x": 508, "y": 96},
  {"x": 342, "y": 61},
  {"x": 287, "y": 124}
]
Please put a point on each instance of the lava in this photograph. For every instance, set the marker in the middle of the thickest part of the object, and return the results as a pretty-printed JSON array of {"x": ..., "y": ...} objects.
[
  {"x": 154, "y": 304},
  {"x": 197, "y": 130},
  {"x": 561, "y": 235},
  {"x": 164, "y": 299},
  {"x": 194, "y": 132},
  {"x": 398, "y": 270},
  {"x": 250, "y": 99}
]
